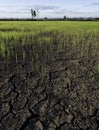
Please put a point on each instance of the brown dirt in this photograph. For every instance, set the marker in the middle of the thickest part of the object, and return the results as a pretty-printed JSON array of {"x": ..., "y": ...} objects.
[{"x": 60, "y": 94}]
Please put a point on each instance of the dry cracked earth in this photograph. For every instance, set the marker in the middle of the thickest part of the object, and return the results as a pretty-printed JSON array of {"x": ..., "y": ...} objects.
[{"x": 65, "y": 97}]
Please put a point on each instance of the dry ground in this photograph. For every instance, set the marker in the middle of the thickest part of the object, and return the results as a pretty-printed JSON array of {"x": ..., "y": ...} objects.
[{"x": 64, "y": 96}]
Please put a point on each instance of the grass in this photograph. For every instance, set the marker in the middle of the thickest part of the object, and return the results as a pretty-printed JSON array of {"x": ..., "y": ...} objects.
[{"x": 40, "y": 39}]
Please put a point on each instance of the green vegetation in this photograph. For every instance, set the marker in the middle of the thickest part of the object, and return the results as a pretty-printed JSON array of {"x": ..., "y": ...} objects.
[{"x": 36, "y": 40}]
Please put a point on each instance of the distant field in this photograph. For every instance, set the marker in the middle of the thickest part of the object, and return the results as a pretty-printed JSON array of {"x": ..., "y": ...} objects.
[{"x": 20, "y": 40}]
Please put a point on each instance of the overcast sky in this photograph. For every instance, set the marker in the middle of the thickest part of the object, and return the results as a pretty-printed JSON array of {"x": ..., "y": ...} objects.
[{"x": 49, "y": 8}]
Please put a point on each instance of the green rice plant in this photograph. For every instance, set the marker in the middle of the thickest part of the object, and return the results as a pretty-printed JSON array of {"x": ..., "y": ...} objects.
[
  {"x": 2, "y": 49},
  {"x": 39, "y": 39}
]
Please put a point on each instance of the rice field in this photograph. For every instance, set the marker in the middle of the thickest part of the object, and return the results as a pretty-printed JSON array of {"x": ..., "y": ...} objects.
[
  {"x": 15, "y": 36},
  {"x": 21, "y": 40}
]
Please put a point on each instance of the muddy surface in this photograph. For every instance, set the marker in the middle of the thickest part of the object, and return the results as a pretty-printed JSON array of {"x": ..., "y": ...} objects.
[{"x": 59, "y": 94}]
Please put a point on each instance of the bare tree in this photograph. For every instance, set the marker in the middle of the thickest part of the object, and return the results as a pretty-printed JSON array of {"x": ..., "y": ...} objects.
[
  {"x": 33, "y": 13},
  {"x": 38, "y": 13}
]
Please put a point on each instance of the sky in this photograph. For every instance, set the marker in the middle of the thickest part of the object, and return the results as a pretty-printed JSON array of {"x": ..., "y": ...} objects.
[{"x": 49, "y": 8}]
